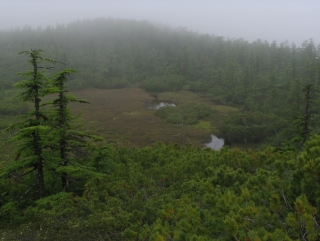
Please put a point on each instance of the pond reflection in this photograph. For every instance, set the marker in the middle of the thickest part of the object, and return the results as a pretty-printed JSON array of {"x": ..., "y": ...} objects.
[
  {"x": 154, "y": 105},
  {"x": 216, "y": 143}
]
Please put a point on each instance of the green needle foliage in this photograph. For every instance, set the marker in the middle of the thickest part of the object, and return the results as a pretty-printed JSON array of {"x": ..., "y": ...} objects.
[
  {"x": 67, "y": 140},
  {"x": 169, "y": 192},
  {"x": 32, "y": 130},
  {"x": 49, "y": 148}
]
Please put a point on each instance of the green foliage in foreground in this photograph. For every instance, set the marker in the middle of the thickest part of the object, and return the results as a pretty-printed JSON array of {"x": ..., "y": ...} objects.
[
  {"x": 181, "y": 193},
  {"x": 189, "y": 114},
  {"x": 49, "y": 148}
]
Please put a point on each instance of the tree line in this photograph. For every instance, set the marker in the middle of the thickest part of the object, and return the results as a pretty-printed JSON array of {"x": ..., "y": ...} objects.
[{"x": 261, "y": 78}]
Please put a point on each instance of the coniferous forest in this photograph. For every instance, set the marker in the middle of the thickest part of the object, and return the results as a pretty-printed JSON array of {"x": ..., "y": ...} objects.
[{"x": 61, "y": 179}]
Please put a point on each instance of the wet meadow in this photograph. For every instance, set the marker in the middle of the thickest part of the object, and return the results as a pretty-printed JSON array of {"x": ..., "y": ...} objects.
[{"x": 122, "y": 117}]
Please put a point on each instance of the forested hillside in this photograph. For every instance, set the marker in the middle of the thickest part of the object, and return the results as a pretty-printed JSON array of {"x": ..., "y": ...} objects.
[
  {"x": 59, "y": 182},
  {"x": 266, "y": 80}
]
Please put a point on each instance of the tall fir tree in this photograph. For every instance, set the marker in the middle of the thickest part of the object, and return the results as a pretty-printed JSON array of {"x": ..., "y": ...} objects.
[
  {"x": 68, "y": 140},
  {"x": 32, "y": 131}
]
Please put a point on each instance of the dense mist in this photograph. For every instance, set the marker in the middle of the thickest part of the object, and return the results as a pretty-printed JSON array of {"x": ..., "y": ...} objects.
[{"x": 283, "y": 20}]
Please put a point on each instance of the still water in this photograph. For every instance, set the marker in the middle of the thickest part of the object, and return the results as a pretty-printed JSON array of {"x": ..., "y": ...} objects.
[
  {"x": 216, "y": 143},
  {"x": 154, "y": 105}
]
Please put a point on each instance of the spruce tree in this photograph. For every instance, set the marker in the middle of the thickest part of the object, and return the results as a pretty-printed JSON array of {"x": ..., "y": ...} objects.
[
  {"x": 47, "y": 140},
  {"x": 31, "y": 132},
  {"x": 67, "y": 140},
  {"x": 303, "y": 122}
]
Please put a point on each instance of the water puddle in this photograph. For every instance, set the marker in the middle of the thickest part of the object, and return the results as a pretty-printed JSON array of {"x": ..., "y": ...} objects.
[
  {"x": 154, "y": 105},
  {"x": 216, "y": 143}
]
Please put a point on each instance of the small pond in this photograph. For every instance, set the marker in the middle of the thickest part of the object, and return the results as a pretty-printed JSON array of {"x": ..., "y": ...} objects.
[
  {"x": 154, "y": 105},
  {"x": 216, "y": 143}
]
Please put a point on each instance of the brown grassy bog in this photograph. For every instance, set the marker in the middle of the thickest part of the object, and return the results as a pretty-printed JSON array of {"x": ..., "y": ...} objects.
[{"x": 120, "y": 116}]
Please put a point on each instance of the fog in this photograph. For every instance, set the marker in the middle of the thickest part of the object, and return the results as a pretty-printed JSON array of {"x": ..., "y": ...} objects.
[{"x": 292, "y": 20}]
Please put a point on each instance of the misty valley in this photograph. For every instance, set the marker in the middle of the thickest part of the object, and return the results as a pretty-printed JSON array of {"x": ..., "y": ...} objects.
[{"x": 116, "y": 129}]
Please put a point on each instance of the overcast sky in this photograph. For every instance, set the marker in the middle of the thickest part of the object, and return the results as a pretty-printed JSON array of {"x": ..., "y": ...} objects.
[{"x": 279, "y": 20}]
